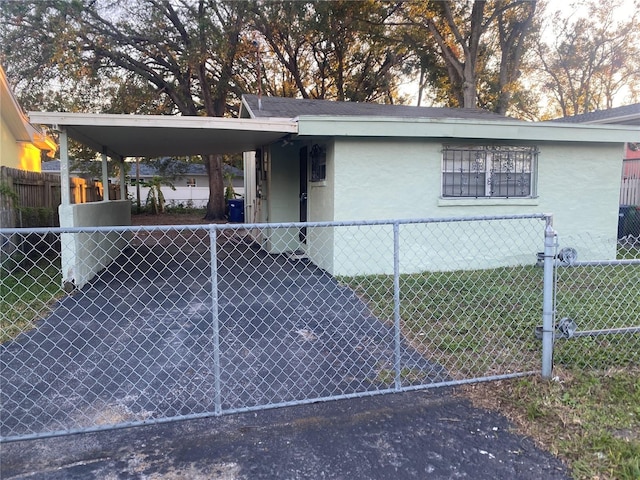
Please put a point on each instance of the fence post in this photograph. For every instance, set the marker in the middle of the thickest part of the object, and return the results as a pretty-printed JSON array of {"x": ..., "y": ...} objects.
[
  {"x": 396, "y": 303},
  {"x": 548, "y": 313},
  {"x": 215, "y": 320}
]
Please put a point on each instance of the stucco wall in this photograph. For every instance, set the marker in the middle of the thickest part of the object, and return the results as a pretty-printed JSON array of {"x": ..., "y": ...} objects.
[
  {"x": 85, "y": 254},
  {"x": 378, "y": 179},
  {"x": 386, "y": 179}
]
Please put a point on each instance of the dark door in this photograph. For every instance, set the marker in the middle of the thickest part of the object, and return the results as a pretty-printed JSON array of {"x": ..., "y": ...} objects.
[{"x": 303, "y": 192}]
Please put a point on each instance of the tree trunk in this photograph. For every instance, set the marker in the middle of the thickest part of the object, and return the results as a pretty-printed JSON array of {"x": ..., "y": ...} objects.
[{"x": 215, "y": 205}]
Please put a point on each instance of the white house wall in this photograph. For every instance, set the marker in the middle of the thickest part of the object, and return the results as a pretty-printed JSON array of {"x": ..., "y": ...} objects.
[
  {"x": 281, "y": 198},
  {"x": 321, "y": 201}
]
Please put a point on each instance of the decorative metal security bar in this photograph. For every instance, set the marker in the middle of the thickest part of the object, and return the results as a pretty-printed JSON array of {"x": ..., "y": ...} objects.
[{"x": 489, "y": 171}]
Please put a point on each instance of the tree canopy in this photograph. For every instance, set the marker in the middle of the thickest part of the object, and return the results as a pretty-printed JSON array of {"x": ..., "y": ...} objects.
[
  {"x": 196, "y": 57},
  {"x": 588, "y": 60}
]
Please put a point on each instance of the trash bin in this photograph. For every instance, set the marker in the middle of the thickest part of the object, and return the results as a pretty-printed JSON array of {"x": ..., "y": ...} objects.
[
  {"x": 236, "y": 210},
  {"x": 629, "y": 221},
  {"x": 622, "y": 214}
]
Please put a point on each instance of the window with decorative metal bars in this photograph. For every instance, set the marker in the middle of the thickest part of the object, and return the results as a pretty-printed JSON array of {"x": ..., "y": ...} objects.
[{"x": 489, "y": 171}]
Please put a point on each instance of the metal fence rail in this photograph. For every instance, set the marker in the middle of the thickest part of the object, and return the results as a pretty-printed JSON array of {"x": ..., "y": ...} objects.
[
  {"x": 598, "y": 306},
  {"x": 192, "y": 321}
]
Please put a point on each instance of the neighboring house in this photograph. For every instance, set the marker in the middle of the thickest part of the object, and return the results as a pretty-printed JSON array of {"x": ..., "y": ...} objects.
[
  {"x": 625, "y": 115},
  {"x": 21, "y": 147},
  {"x": 192, "y": 186},
  {"x": 21, "y": 143},
  {"x": 352, "y": 161}
]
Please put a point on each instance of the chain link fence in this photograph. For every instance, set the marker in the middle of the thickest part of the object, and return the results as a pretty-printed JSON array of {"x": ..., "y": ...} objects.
[
  {"x": 597, "y": 303},
  {"x": 191, "y": 321}
]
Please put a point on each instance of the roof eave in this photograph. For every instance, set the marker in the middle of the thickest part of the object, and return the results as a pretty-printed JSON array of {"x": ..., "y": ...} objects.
[{"x": 464, "y": 129}]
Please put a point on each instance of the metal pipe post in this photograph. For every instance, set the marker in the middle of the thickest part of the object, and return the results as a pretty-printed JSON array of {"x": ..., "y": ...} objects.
[
  {"x": 215, "y": 320},
  {"x": 548, "y": 312},
  {"x": 396, "y": 304},
  {"x": 65, "y": 182}
]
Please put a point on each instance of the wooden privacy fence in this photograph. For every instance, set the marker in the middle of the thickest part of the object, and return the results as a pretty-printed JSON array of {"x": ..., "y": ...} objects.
[
  {"x": 630, "y": 188},
  {"x": 630, "y": 191},
  {"x": 31, "y": 199}
]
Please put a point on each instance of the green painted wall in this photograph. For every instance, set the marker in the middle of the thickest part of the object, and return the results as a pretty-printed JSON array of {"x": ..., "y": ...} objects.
[{"x": 399, "y": 178}]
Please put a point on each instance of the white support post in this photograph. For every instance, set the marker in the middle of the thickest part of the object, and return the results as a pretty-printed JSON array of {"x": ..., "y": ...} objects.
[
  {"x": 123, "y": 186},
  {"x": 105, "y": 176},
  {"x": 65, "y": 183}
]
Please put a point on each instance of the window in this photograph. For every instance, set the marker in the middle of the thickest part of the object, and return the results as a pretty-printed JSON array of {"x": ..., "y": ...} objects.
[
  {"x": 191, "y": 182},
  {"x": 489, "y": 171},
  {"x": 318, "y": 163}
]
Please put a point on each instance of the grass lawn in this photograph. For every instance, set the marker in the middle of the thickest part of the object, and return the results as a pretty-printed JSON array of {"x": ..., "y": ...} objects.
[
  {"x": 26, "y": 291},
  {"x": 588, "y": 418},
  {"x": 479, "y": 323}
]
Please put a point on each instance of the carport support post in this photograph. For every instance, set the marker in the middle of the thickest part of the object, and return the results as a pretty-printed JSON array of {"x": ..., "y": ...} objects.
[
  {"x": 65, "y": 183},
  {"x": 214, "y": 319},
  {"x": 105, "y": 176},
  {"x": 548, "y": 313},
  {"x": 123, "y": 179},
  {"x": 396, "y": 303}
]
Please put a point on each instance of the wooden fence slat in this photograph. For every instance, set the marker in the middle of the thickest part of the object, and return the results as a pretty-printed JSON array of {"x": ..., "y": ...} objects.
[{"x": 42, "y": 190}]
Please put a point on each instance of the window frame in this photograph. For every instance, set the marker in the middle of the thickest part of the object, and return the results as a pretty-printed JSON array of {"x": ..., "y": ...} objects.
[
  {"x": 318, "y": 170},
  {"x": 514, "y": 166}
]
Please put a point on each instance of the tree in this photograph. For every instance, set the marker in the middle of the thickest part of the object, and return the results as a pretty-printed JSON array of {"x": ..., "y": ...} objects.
[
  {"x": 479, "y": 47},
  {"x": 339, "y": 50},
  {"x": 589, "y": 60},
  {"x": 181, "y": 51}
]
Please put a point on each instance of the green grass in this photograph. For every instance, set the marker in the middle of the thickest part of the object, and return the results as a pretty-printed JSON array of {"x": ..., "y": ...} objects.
[
  {"x": 590, "y": 419},
  {"x": 482, "y": 322},
  {"x": 477, "y": 323},
  {"x": 26, "y": 291}
]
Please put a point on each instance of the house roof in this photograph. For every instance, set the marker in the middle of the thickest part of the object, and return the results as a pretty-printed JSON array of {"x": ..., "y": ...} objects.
[
  {"x": 625, "y": 115},
  {"x": 278, "y": 107}
]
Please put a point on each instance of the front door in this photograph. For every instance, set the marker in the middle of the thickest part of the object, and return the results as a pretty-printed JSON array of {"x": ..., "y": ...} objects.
[{"x": 303, "y": 192}]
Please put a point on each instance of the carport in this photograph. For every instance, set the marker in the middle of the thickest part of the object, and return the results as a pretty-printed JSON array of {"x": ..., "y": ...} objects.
[{"x": 121, "y": 136}]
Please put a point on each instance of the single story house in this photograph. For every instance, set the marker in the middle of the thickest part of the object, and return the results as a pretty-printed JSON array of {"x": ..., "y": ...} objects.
[
  {"x": 314, "y": 160},
  {"x": 353, "y": 161},
  {"x": 21, "y": 145},
  {"x": 192, "y": 186}
]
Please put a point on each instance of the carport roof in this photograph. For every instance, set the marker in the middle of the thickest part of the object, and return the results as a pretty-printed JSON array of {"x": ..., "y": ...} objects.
[{"x": 163, "y": 135}]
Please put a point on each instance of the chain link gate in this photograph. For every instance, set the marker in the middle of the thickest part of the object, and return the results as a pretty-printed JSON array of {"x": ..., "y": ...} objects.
[
  {"x": 596, "y": 302},
  {"x": 193, "y": 321}
]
